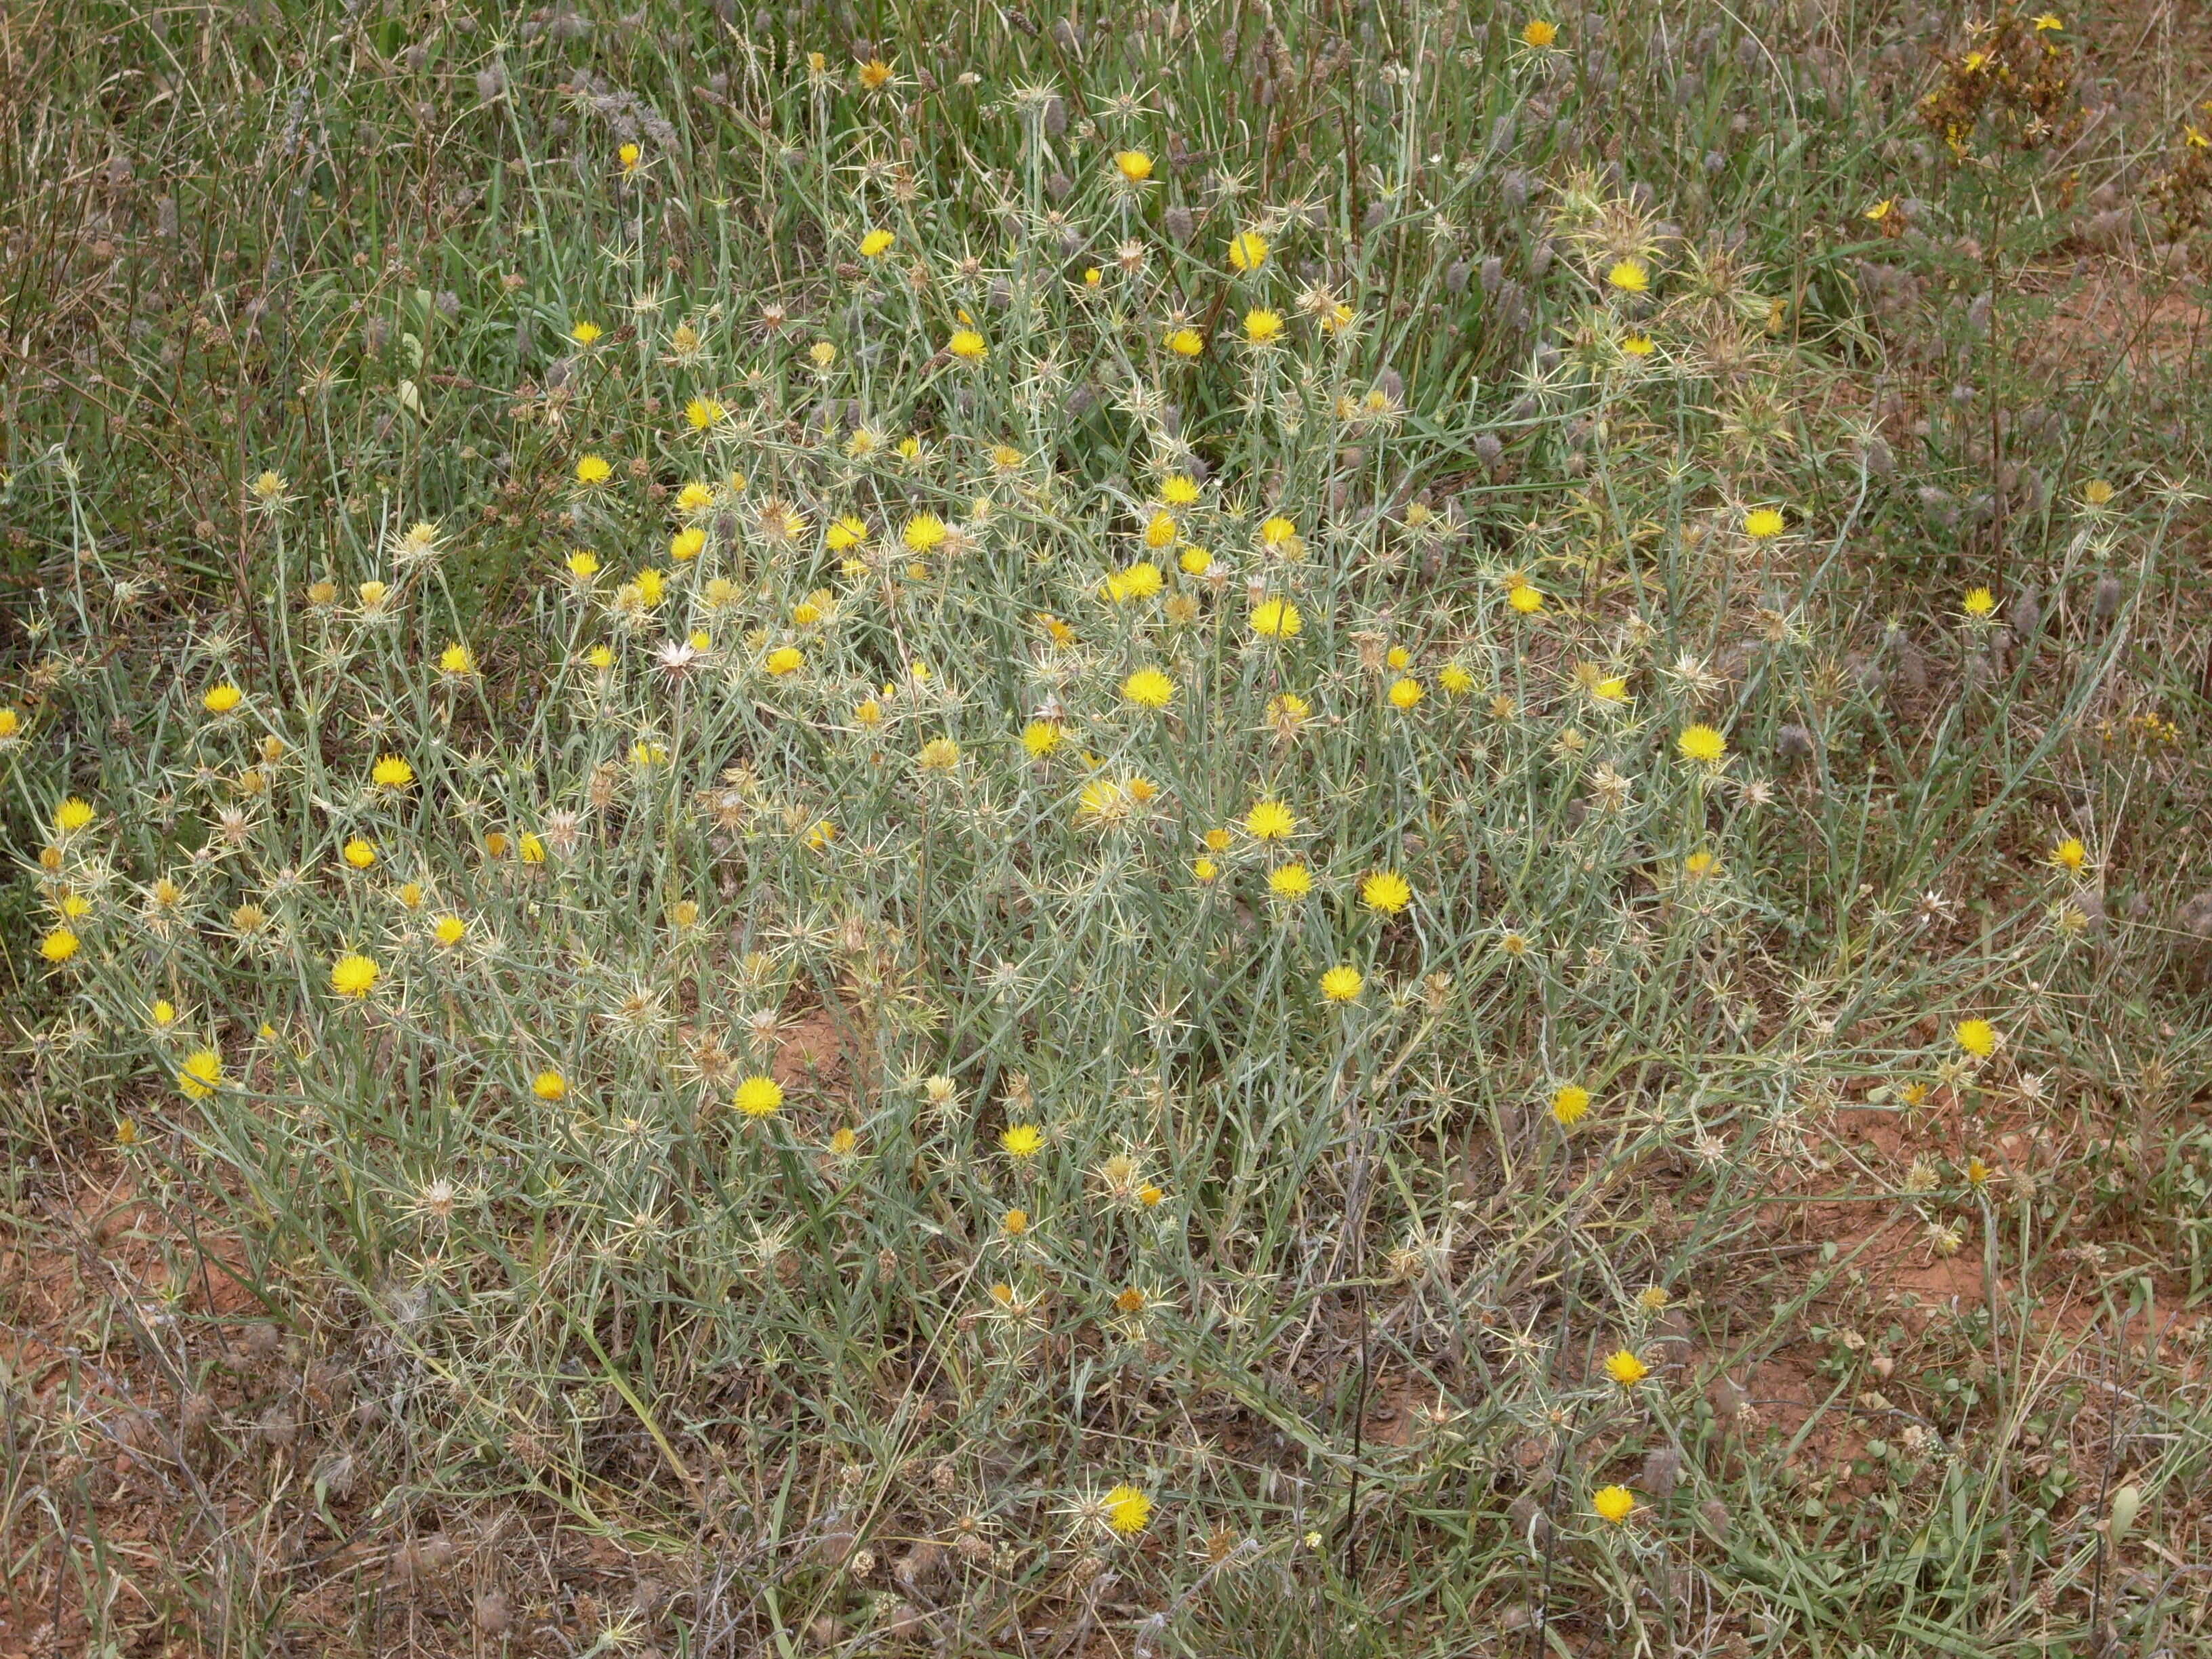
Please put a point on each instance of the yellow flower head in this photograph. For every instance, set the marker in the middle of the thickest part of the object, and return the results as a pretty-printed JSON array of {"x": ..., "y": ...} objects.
[
  {"x": 221, "y": 699},
  {"x": 939, "y": 755},
  {"x": 11, "y": 722},
  {"x": 58, "y": 946},
  {"x": 1614, "y": 1503},
  {"x": 687, "y": 545},
  {"x": 1524, "y": 598},
  {"x": 924, "y": 532},
  {"x": 703, "y": 412},
  {"x": 594, "y": 471},
  {"x": 550, "y": 1086},
  {"x": 1976, "y": 1036},
  {"x": 1040, "y": 737},
  {"x": 785, "y": 660},
  {"x": 1386, "y": 891},
  {"x": 1140, "y": 580},
  {"x": 1161, "y": 531},
  {"x": 1148, "y": 688},
  {"x": 1278, "y": 531},
  {"x": 201, "y": 1074},
  {"x": 1186, "y": 342},
  {"x": 390, "y": 772},
  {"x": 1978, "y": 602},
  {"x": 457, "y": 659},
  {"x": 1194, "y": 560},
  {"x": 1263, "y": 326},
  {"x": 583, "y": 564},
  {"x": 1626, "y": 1369},
  {"x": 1276, "y": 619},
  {"x": 73, "y": 815},
  {"x": 1342, "y": 984},
  {"x": 1179, "y": 490},
  {"x": 1405, "y": 692},
  {"x": 1021, "y": 1141},
  {"x": 1290, "y": 881},
  {"x": 629, "y": 156},
  {"x": 2070, "y": 855},
  {"x": 359, "y": 852},
  {"x": 876, "y": 243},
  {"x": 1702, "y": 743},
  {"x": 353, "y": 975},
  {"x": 1763, "y": 524},
  {"x": 967, "y": 346},
  {"x": 760, "y": 1096},
  {"x": 585, "y": 334},
  {"x": 1630, "y": 277},
  {"x": 1539, "y": 33},
  {"x": 1269, "y": 820},
  {"x": 1570, "y": 1103},
  {"x": 1134, "y": 164},
  {"x": 1128, "y": 1511},
  {"x": 1248, "y": 252},
  {"x": 1455, "y": 680}
]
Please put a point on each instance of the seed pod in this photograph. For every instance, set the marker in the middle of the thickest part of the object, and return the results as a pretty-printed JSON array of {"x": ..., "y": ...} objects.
[{"x": 2107, "y": 603}]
